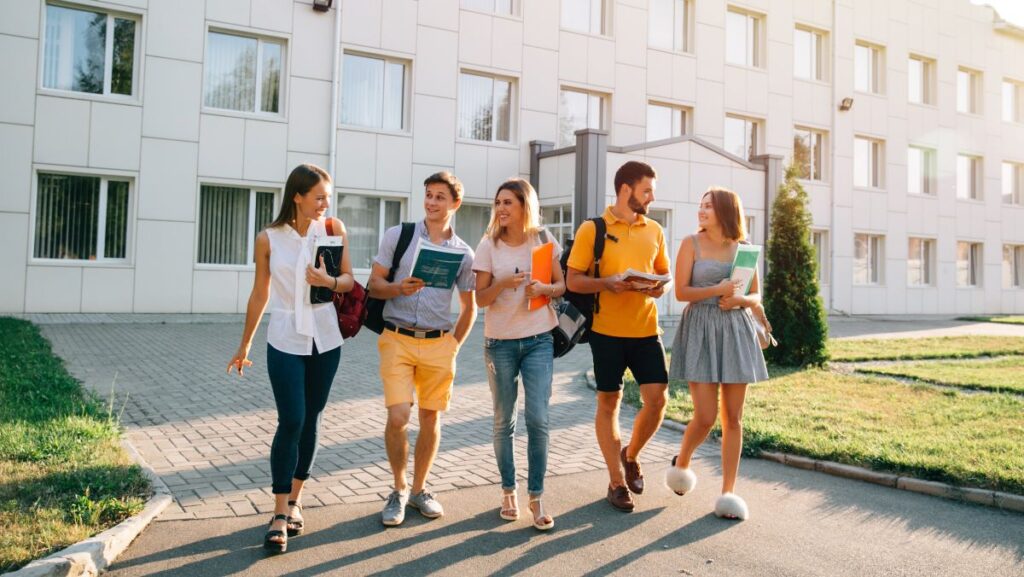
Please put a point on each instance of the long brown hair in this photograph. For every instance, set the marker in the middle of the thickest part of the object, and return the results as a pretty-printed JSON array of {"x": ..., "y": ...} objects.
[
  {"x": 729, "y": 212},
  {"x": 302, "y": 179},
  {"x": 527, "y": 196}
]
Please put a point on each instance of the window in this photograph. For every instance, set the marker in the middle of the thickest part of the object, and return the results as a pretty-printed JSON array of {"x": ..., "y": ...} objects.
[
  {"x": 968, "y": 91},
  {"x": 583, "y": 16},
  {"x": 808, "y": 153},
  {"x": 920, "y": 170},
  {"x": 920, "y": 252},
  {"x": 471, "y": 222},
  {"x": 373, "y": 92},
  {"x": 809, "y": 54},
  {"x": 1012, "y": 101},
  {"x": 741, "y": 136},
  {"x": 1012, "y": 181},
  {"x": 366, "y": 218},
  {"x": 485, "y": 108},
  {"x": 576, "y": 111},
  {"x": 867, "y": 163},
  {"x": 869, "y": 67},
  {"x": 668, "y": 24},
  {"x": 819, "y": 240},
  {"x": 229, "y": 220},
  {"x": 868, "y": 257},
  {"x": 505, "y": 7},
  {"x": 87, "y": 51},
  {"x": 920, "y": 80},
  {"x": 81, "y": 218},
  {"x": 968, "y": 177},
  {"x": 558, "y": 220},
  {"x": 665, "y": 121},
  {"x": 743, "y": 39},
  {"x": 751, "y": 237},
  {"x": 968, "y": 264},
  {"x": 1013, "y": 266},
  {"x": 243, "y": 73}
]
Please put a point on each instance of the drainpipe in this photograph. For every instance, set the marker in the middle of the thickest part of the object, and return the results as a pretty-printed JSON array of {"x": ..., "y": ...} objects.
[
  {"x": 335, "y": 84},
  {"x": 832, "y": 170}
]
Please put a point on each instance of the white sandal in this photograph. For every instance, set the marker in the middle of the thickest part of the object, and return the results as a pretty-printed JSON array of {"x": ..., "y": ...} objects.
[
  {"x": 509, "y": 506},
  {"x": 540, "y": 516}
]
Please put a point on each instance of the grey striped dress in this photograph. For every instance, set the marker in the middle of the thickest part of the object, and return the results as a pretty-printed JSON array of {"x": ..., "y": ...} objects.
[{"x": 712, "y": 345}]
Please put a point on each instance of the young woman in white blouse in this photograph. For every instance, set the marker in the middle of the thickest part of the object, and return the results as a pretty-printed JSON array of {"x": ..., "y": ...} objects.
[{"x": 303, "y": 339}]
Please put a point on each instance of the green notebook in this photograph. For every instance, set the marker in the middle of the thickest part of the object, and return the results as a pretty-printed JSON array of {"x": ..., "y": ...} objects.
[
  {"x": 744, "y": 265},
  {"x": 437, "y": 266}
]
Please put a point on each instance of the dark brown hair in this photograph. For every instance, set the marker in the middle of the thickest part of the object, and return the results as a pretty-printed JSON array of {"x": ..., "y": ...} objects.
[
  {"x": 728, "y": 211},
  {"x": 631, "y": 173},
  {"x": 448, "y": 179},
  {"x": 302, "y": 179}
]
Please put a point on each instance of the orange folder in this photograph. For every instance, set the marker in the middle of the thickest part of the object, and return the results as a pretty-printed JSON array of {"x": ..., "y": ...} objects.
[{"x": 540, "y": 270}]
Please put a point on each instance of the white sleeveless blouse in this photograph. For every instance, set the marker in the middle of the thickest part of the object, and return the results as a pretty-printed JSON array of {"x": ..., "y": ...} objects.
[{"x": 295, "y": 324}]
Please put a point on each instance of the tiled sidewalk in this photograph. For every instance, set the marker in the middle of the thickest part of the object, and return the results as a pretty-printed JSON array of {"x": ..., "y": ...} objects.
[{"x": 208, "y": 435}]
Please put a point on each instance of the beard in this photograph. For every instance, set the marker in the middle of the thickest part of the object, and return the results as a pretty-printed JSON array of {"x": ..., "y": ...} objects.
[{"x": 637, "y": 206}]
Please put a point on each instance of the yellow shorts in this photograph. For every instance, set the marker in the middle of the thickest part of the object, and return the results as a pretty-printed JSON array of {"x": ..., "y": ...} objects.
[{"x": 425, "y": 367}]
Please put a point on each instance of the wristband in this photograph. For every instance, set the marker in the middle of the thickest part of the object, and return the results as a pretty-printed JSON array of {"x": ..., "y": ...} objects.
[{"x": 335, "y": 289}]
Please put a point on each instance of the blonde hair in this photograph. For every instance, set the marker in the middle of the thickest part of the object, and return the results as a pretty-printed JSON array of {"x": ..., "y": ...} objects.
[
  {"x": 527, "y": 196},
  {"x": 729, "y": 212}
]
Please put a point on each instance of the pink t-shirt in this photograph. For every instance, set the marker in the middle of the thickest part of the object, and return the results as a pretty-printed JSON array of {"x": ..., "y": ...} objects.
[{"x": 508, "y": 316}]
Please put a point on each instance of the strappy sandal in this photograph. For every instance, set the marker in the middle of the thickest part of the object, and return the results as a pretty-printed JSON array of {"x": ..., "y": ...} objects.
[
  {"x": 541, "y": 521},
  {"x": 509, "y": 506},
  {"x": 269, "y": 542},
  {"x": 296, "y": 525}
]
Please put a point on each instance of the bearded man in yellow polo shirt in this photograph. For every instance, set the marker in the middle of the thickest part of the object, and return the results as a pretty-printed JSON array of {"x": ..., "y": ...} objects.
[{"x": 625, "y": 332}]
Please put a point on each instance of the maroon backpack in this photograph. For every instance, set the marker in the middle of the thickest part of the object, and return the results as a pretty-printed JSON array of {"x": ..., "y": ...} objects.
[{"x": 351, "y": 306}]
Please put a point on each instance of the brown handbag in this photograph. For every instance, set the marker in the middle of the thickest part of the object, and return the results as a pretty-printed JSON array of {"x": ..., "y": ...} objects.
[
  {"x": 762, "y": 327},
  {"x": 351, "y": 306}
]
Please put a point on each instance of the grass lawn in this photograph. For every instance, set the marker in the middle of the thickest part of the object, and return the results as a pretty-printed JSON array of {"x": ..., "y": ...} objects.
[
  {"x": 1009, "y": 320},
  {"x": 63, "y": 474},
  {"x": 1000, "y": 375},
  {"x": 882, "y": 424},
  {"x": 972, "y": 346}
]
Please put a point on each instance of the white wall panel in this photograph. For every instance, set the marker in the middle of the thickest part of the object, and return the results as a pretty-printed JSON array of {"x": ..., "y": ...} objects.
[
  {"x": 107, "y": 290},
  {"x": 18, "y": 70},
  {"x": 115, "y": 133},
  {"x": 163, "y": 266},
  {"x": 167, "y": 184},
  {"x": 15, "y": 168},
  {"x": 62, "y": 131}
]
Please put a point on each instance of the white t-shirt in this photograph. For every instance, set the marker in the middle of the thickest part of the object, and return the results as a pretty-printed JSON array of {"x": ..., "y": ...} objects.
[{"x": 508, "y": 316}]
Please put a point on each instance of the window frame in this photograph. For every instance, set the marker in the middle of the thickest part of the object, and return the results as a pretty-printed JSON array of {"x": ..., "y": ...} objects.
[
  {"x": 974, "y": 91},
  {"x": 603, "y": 112},
  {"x": 822, "y": 137},
  {"x": 604, "y": 19},
  {"x": 1017, "y": 186},
  {"x": 261, "y": 38},
  {"x": 754, "y": 41},
  {"x": 822, "y": 257},
  {"x": 1017, "y": 105},
  {"x": 928, "y": 80},
  {"x": 1016, "y": 267},
  {"x": 876, "y": 166},
  {"x": 820, "y": 52},
  {"x": 928, "y": 178},
  {"x": 756, "y": 140},
  {"x": 130, "y": 218},
  {"x": 975, "y": 264},
  {"x": 254, "y": 189},
  {"x": 403, "y": 202},
  {"x": 927, "y": 259},
  {"x": 876, "y": 76},
  {"x": 686, "y": 117},
  {"x": 123, "y": 12},
  {"x": 515, "y": 9},
  {"x": 566, "y": 226},
  {"x": 682, "y": 37},
  {"x": 407, "y": 94},
  {"x": 513, "y": 106},
  {"x": 976, "y": 178},
  {"x": 875, "y": 259}
]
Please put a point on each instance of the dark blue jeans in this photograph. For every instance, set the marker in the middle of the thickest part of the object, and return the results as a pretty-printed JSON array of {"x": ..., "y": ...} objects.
[{"x": 301, "y": 386}]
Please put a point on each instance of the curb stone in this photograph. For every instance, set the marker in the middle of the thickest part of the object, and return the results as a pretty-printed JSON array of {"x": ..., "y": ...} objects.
[
  {"x": 92, "y": 556},
  {"x": 997, "y": 499}
]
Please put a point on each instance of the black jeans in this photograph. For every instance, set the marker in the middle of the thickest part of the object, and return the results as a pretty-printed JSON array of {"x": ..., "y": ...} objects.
[{"x": 301, "y": 386}]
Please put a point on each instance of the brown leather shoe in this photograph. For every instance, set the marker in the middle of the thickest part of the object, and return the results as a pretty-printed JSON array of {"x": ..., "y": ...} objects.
[
  {"x": 620, "y": 498},
  {"x": 634, "y": 478}
]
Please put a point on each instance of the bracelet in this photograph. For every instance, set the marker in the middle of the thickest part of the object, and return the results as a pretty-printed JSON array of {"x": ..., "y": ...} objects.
[{"x": 335, "y": 289}]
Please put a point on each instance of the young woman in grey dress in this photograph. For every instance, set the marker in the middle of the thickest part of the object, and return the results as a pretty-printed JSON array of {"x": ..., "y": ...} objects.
[{"x": 716, "y": 344}]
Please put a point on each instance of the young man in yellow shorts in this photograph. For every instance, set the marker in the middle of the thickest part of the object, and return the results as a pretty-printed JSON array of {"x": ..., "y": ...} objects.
[
  {"x": 419, "y": 344},
  {"x": 625, "y": 332}
]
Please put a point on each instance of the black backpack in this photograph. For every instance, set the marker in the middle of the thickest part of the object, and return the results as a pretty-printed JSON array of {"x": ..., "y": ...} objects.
[
  {"x": 375, "y": 307},
  {"x": 587, "y": 304}
]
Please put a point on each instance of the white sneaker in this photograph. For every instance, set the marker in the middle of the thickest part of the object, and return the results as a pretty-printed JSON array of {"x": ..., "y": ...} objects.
[
  {"x": 427, "y": 504},
  {"x": 394, "y": 510}
]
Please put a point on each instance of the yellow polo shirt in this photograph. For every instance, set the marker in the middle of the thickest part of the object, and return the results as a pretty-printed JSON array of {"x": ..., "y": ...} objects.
[{"x": 640, "y": 246}]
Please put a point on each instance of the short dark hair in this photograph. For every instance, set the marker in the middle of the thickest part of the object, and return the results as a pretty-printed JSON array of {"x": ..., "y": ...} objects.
[
  {"x": 631, "y": 173},
  {"x": 448, "y": 179}
]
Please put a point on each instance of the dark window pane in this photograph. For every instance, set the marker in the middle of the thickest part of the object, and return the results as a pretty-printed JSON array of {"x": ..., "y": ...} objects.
[
  {"x": 115, "y": 243},
  {"x": 75, "y": 49},
  {"x": 270, "y": 93},
  {"x": 223, "y": 224},
  {"x": 123, "y": 57},
  {"x": 66, "y": 217}
]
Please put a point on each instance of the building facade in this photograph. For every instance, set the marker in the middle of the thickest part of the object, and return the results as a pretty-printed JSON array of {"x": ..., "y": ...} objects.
[{"x": 145, "y": 142}]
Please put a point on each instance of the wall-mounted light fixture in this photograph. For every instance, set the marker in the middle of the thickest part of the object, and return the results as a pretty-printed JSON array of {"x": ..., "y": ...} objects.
[
  {"x": 322, "y": 5},
  {"x": 846, "y": 104}
]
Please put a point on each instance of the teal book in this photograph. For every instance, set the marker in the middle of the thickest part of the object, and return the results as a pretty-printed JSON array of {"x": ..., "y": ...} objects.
[
  {"x": 437, "y": 266},
  {"x": 744, "y": 265}
]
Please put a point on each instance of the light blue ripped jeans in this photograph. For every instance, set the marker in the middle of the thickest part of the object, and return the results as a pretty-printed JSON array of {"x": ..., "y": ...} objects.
[{"x": 532, "y": 359}]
